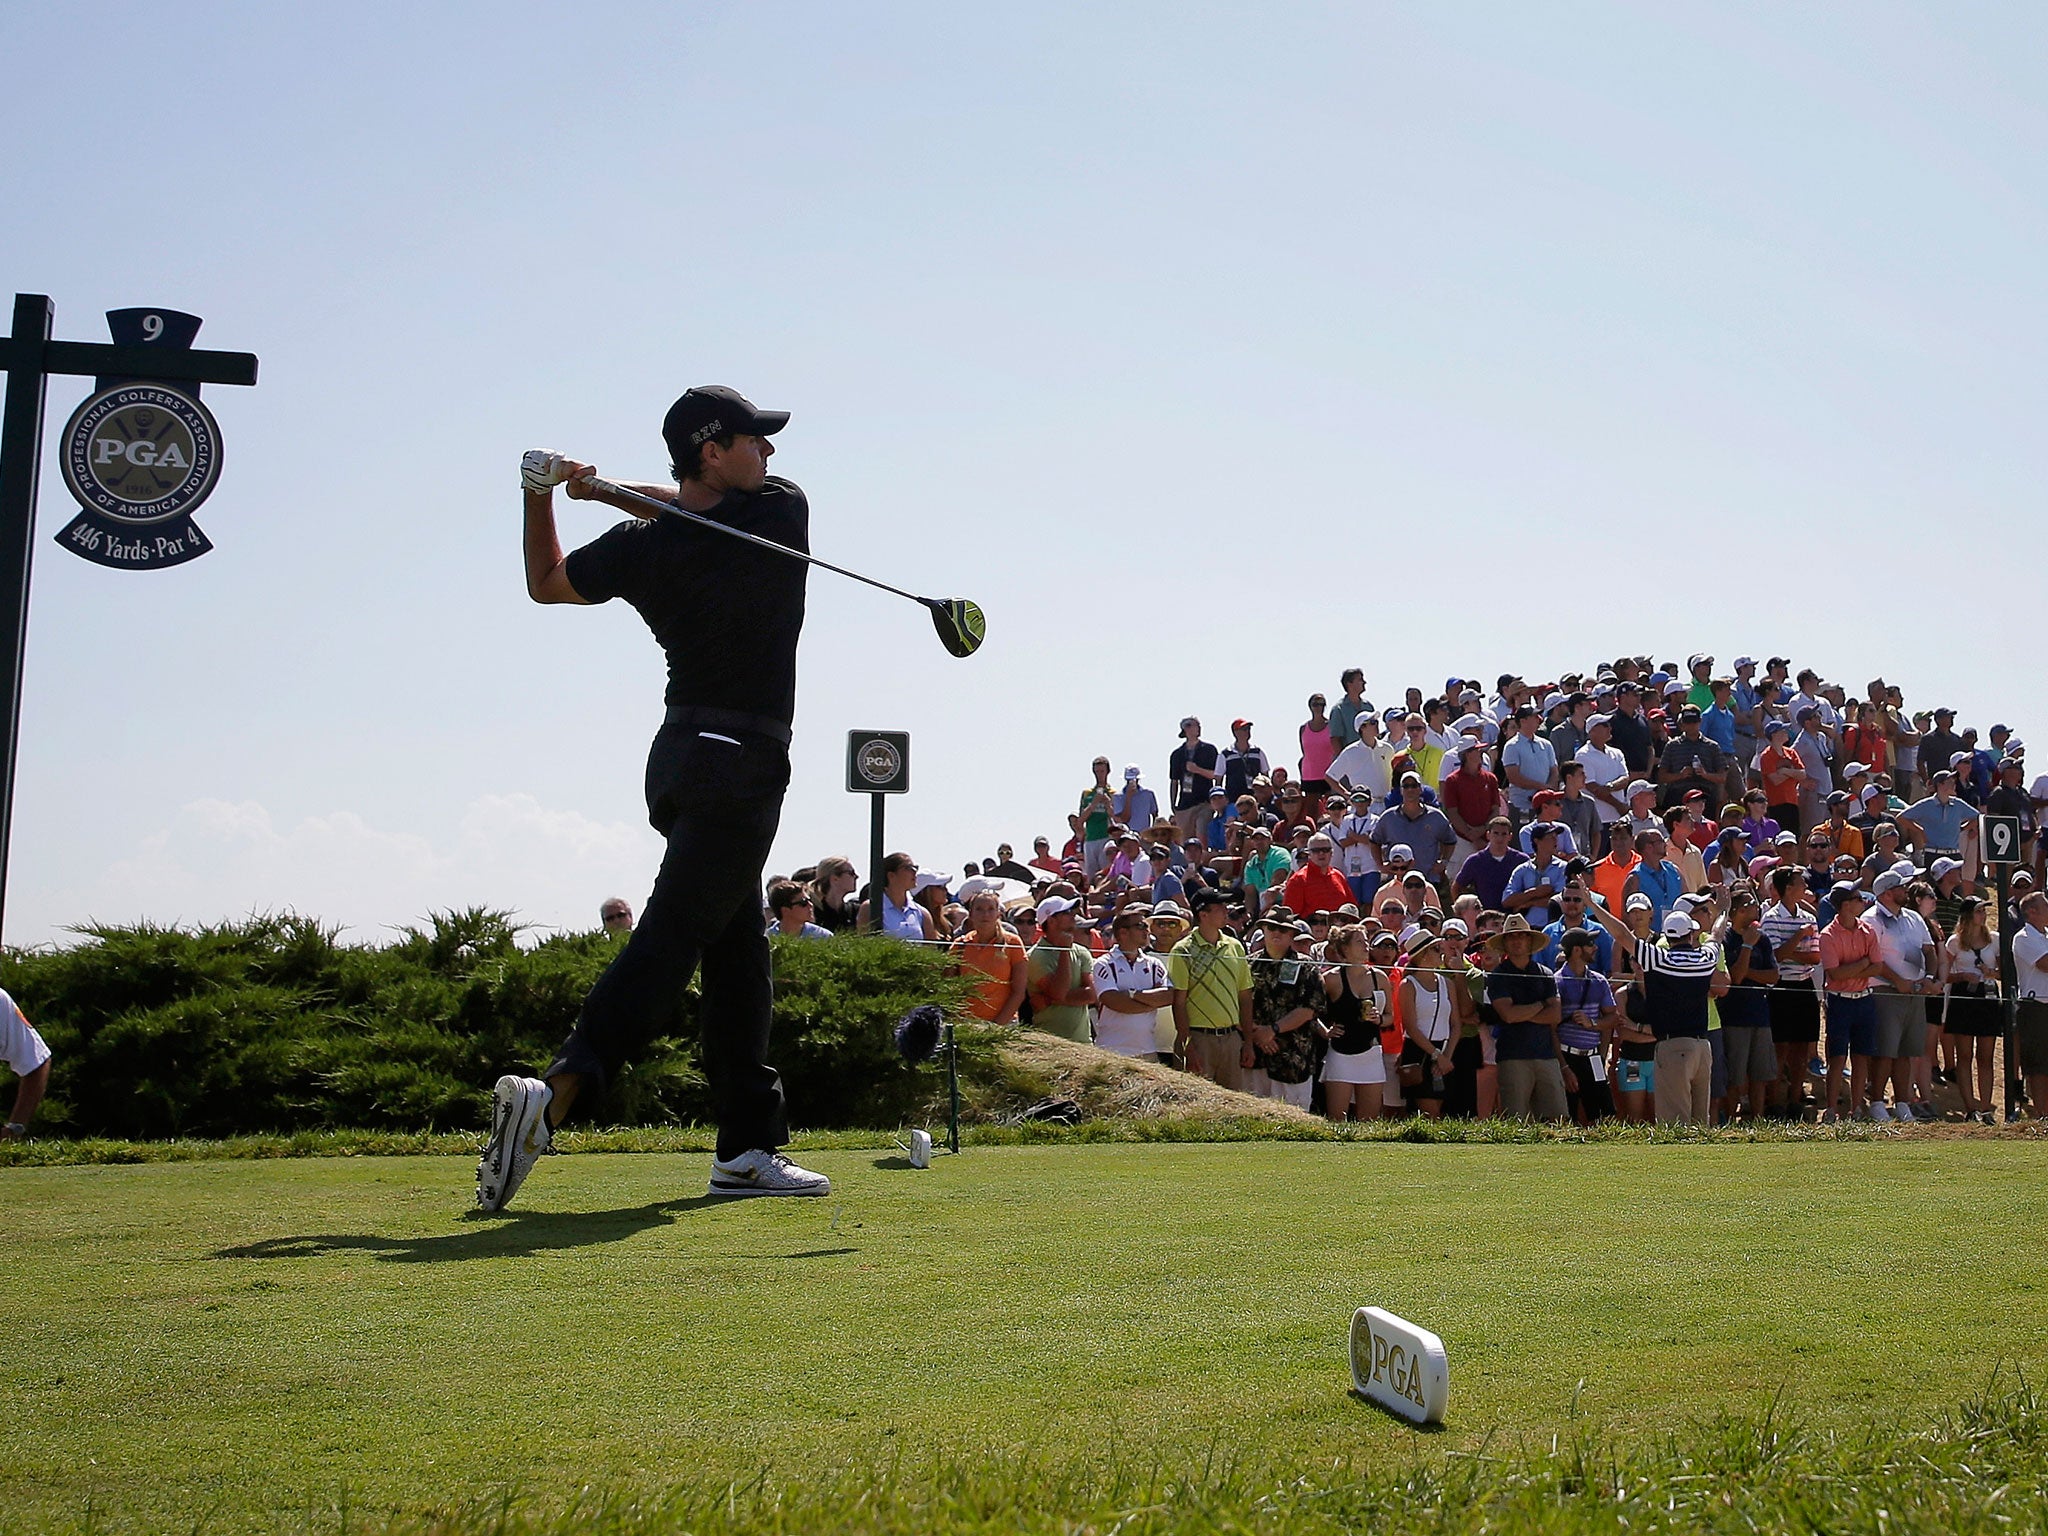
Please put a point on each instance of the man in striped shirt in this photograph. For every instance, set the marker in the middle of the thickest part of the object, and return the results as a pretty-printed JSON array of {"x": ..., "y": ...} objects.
[{"x": 1680, "y": 976}]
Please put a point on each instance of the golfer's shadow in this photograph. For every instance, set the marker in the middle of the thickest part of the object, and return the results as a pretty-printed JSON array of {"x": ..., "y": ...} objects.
[{"x": 492, "y": 1235}]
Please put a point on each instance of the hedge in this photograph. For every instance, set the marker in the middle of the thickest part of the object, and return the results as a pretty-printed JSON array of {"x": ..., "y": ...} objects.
[{"x": 270, "y": 1025}]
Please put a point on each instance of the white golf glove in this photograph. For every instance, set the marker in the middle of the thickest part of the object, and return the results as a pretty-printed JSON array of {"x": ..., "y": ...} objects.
[{"x": 542, "y": 469}]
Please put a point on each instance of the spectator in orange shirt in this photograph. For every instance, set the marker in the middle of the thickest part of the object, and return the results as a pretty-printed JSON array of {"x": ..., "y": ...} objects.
[
  {"x": 989, "y": 950},
  {"x": 1783, "y": 773},
  {"x": 1848, "y": 956}
]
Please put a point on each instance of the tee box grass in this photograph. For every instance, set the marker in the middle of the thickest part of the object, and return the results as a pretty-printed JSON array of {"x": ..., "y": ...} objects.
[{"x": 231, "y": 1345}]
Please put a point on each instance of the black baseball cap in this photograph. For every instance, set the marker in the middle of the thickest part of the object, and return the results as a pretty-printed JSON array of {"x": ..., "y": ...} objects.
[{"x": 712, "y": 410}]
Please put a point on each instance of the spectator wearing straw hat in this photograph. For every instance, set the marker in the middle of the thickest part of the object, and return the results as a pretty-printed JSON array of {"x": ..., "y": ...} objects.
[{"x": 1524, "y": 999}]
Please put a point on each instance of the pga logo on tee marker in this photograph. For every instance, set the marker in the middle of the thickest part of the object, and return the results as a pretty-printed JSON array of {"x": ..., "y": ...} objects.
[{"x": 1399, "y": 1366}]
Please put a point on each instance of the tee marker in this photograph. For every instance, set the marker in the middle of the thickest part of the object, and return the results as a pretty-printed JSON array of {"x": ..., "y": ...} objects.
[{"x": 1401, "y": 1367}]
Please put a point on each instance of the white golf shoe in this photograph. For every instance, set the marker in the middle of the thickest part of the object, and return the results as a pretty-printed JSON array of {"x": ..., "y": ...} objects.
[
  {"x": 765, "y": 1173},
  {"x": 519, "y": 1135}
]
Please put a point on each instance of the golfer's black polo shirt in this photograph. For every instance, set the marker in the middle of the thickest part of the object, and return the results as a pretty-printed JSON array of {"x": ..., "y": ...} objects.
[{"x": 725, "y": 613}]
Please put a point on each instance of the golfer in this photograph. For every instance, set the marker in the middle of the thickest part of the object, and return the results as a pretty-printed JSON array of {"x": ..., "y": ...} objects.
[{"x": 727, "y": 615}]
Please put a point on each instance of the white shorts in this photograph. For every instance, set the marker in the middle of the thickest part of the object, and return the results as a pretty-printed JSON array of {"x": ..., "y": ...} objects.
[
  {"x": 1357, "y": 1067},
  {"x": 1289, "y": 1093}
]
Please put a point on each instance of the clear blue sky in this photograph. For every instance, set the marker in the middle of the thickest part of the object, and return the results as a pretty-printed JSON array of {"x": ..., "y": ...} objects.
[{"x": 1210, "y": 349}]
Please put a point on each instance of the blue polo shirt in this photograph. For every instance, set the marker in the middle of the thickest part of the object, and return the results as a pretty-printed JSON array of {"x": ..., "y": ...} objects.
[
  {"x": 1718, "y": 726},
  {"x": 1943, "y": 824},
  {"x": 1527, "y": 877}
]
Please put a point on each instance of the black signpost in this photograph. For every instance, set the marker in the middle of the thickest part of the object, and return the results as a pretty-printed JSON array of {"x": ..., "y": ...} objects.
[
  {"x": 141, "y": 453},
  {"x": 1999, "y": 837},
  {"x": 877, "y": 764}
]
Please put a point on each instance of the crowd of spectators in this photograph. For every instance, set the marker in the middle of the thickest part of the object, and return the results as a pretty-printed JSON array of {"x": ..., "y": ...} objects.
[{"x": 1644, "y": 891}]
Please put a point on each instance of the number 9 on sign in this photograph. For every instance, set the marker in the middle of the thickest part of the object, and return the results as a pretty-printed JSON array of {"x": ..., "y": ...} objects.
[{"x": 2001, "y": 839}]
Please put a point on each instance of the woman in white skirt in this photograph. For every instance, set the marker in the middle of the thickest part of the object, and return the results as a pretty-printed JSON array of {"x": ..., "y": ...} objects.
[{"x": 1354, "y": 1071}]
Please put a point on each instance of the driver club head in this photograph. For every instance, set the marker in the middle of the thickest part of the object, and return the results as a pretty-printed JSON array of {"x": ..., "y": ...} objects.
[{"x": 959, "y": 622}]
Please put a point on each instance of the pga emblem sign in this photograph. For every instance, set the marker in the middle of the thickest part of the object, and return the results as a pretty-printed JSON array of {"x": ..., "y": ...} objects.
[
  {"x": 139, "y": 456},
  {"x": 1401, "y": 1367}
]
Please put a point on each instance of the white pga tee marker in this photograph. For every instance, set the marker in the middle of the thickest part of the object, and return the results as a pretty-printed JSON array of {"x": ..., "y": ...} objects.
[{"x": 1399, "y": 1366}]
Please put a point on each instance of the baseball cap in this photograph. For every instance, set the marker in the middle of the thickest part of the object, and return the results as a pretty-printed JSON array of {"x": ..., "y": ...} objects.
[
  {"x": 1694, "y": 662},
  {"x": 1678, "y": 924},
  {"x": 1941, "y": 867},
  {"x": 1854, "y": 769},
  {"x": 1689, "y": 712},
  {"x": 1890, "y": 880},
  {"x": 1786, "y": 840},
  {"x": 928, "y": 879},
  {"x": 1674, "y": 686},
  {"x": 1130, "y": 772},
  {"x": 1638, "y": 787},
  {"x": 1455, "y": 925},
  {"x": 1402, "y": 852},
  {"x": 1638, "y": 903},
  {"x": 1218, "y": 791},
  {"x": 1847, "y": 890},
  {"x": 1777, "y": 728},
  {"x": 1744, "y": 661},
  {"x": 712, "y": 410},
  {"x": 1053, "y": 906},
  {"x": 1240, "y": 725},
  {"x": 1607, "y": 720}
]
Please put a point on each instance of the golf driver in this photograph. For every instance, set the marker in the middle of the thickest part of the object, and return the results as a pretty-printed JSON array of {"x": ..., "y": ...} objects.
[{"x": 959, "y": 622}]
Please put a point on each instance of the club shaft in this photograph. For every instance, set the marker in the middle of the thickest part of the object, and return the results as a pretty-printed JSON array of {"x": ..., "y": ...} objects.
[{"x": 612, "y": 488}]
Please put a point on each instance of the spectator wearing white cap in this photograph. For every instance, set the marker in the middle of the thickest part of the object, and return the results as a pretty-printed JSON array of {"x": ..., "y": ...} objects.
[
  {"x": 1357, "y": 860},
  {"x": 2030, "y": 966},
  {"x": 1907, "y": 964},
  {"x": 1680, "y": 977},
  {"x": 1134, "y": 805},
  {"x": 1366, "y": 761},
  {"x": 1062, "y": 976},
  {"x": 1607, "y": 772}
]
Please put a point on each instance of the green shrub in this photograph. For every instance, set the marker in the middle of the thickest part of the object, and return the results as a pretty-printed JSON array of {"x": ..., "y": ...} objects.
[{"x": 270, "y": 1026}]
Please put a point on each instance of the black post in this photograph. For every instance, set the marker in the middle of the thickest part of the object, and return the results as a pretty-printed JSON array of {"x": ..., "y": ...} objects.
[
  {"x": 875, "y": 857},
  {"x": 21, "y": 455},
  {"x": 953, "y": 1090},
  {"x": 2008, "y": 991}
]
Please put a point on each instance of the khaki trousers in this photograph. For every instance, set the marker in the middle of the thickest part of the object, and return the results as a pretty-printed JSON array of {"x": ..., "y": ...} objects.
[
  {"x": 1685, "y": 1078},
  {"x": 1218, "y": 1056}
]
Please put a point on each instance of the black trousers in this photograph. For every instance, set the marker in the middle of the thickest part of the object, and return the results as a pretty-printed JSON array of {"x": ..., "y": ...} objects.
[{"x": 718, "y": 803}]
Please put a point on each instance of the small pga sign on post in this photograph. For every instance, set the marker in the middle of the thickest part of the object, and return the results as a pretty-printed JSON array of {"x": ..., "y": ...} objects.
[{"x": 1399, "y": 1366}]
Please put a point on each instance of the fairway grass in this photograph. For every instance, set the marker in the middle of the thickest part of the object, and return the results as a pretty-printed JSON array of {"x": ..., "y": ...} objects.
[{"x": 252, "y": 1345}]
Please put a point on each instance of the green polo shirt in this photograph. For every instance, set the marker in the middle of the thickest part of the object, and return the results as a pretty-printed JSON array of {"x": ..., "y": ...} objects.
[
  {"x": 1268, "y": 870},
  {"x": 1212, "y": 975}
]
